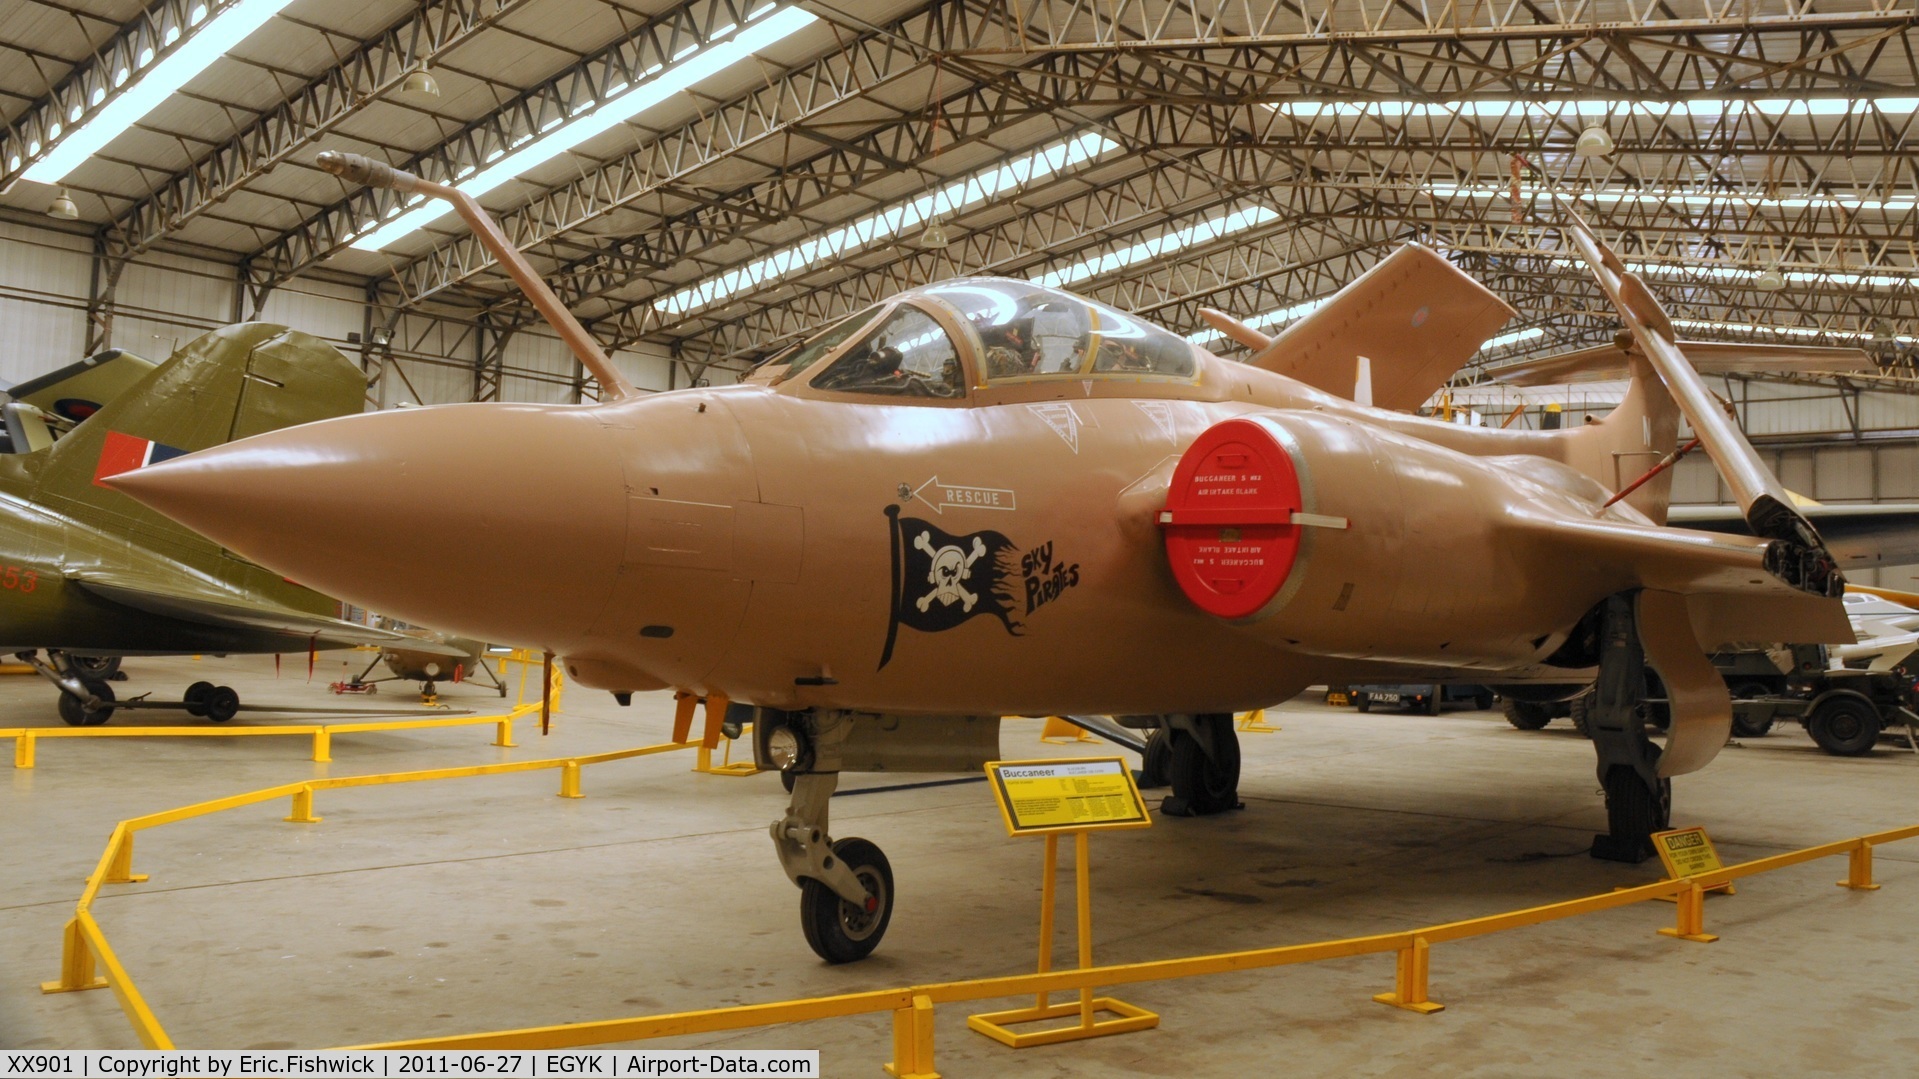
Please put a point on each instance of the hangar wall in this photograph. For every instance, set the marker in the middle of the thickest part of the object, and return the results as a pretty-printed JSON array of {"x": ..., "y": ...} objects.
[{"x": 165, "y": 300}]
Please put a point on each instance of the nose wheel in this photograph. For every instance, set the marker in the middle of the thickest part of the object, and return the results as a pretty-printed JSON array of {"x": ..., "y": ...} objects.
[{"x": 840, "y": 931}]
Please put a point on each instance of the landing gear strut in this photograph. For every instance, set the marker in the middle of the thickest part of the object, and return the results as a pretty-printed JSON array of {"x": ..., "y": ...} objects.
[
  {"x": 1204, "y": 768},
  {"x": 87, "y": 700},
  {"x": 1638, "y": 801},
  {"x": 846, "y": 886}
]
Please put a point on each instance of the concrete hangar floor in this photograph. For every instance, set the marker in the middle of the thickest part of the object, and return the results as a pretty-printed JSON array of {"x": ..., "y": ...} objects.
[{"x": 489, "y": 903}]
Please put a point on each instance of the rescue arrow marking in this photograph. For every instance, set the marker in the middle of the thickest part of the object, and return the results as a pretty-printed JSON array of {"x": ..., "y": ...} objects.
[{"x": 962, "y": 497}]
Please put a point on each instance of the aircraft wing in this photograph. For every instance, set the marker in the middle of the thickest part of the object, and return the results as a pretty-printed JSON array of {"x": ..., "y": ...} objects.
[
  {"x": 1730, "y": 594},
  {"x": 1605, "y": 362},
  {"x": 180, "y": 598},
  {"x": 1859, "y": 534}
]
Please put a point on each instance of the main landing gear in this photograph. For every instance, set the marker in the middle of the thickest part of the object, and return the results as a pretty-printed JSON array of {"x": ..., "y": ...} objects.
[
  {"x": 846, "y": 885},
  {"x": 1638, "y": 800},
  {"x": 1202, "y": 764}
]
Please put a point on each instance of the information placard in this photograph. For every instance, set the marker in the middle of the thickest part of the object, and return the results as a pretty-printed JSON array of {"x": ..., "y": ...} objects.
[
  {"x": 1686, "y": 851},
  {"x": 1081, "y": 793}
]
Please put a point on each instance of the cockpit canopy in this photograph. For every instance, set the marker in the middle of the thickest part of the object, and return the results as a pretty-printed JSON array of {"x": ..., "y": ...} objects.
[{"x": 1013, "y": 332}]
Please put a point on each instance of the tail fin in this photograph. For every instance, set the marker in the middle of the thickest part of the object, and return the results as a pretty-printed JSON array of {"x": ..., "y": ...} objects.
[
  {"x": 1415, "y": 314},
  {"x": 236, "y": 381}
]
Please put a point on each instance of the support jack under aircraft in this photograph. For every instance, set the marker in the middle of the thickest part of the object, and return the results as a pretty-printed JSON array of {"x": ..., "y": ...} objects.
[{"x": 984, "y": 497}]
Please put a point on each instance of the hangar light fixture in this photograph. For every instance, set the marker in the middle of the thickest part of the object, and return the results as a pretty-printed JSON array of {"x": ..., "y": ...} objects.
[
  {"x": 729, "y": 46},
  {"x": 1504, "y": 108},
  {"x": 1615, "y": 196},
  {"x": 1595, "y": 141},
  {"x": 1160, "y": 246},
  {"x": 62, "y": 207},
  {"x": 421, "y": 82},
  {"x": 897, "y": 220},
  {"x": 146, "y": 89}
]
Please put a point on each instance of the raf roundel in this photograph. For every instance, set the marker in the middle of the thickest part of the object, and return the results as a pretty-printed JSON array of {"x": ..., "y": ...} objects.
[{"x": 1228, "y": 521}]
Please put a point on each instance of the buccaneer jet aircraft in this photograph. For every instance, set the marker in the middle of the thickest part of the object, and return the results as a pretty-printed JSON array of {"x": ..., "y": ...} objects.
[{"x": 985, "y": 497}]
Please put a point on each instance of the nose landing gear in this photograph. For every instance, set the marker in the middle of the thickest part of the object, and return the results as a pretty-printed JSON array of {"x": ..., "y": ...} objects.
[{"x": 846, "y": 886}]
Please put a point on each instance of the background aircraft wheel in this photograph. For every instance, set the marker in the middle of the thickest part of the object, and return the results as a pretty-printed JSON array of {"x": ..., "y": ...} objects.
[
  {"x": 1205, "y": 785},
  {"x": 100, "y": 667},
  {"x": 1434, "y": 699},
  {"x": 70, "y": 710},
  {"x": 1845, "y": 726},
  {"x": 1745, "y": 726},
  {"x": 1525, "y": 716},
  {"x": 1156, "y": 764},
  {"x": 195, "y": 698},
  {"x": 221, "y": 704},
  {"x": 838, "y": 931},
  {"x": 1577, "y": 711},
  {"x": 1484, "y": 700},
  {"x": 1362, "y": 702}
]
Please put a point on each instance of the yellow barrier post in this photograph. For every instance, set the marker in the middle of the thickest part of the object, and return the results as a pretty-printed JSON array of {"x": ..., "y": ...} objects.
[
  {"x": 503, "y": 737},
  {"x": 322, "y": 745},
  {"x": 23, "y": 750},
  {"x": 120, "y": 869},
  {"x": 913, "y": 1041},
  {"x": 1409, "y": 979},
  {"x": 1859, "y": 869},
  {"x": 303, "y": 807},
  {"x": 76, "y": 963},
  {"x": 570, "y": 780},
  {"x": 1690, "y": 923}
]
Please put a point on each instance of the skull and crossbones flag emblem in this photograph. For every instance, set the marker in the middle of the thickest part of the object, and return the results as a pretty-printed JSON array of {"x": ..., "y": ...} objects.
[{"x": 941, "y": 580}]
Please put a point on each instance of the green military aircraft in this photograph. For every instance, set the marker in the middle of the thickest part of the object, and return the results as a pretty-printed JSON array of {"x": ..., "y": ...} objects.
[{"x": 86, "y": 573}]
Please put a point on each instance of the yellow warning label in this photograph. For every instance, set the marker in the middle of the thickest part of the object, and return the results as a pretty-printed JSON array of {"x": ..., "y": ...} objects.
[
  {"x": 1068, "y": 795},
  {"x": 1686, "y": 851}
]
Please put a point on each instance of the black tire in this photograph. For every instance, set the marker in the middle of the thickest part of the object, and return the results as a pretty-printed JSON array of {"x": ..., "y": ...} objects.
[
  {"x": 1362, "y": 702},
  {"x": 1483, "y": 700},
  {"x": 1633, "y": 811},
  {"x": 1526, "y": 717},
  {"x": 1435, "y": 700},
  {"x": 100, "y": 667},
  {"x": 195, "y": 698},
  {"x": 836, "y": 930},
  {"x": 1205, "y": 785},
  {"x": 221, "y": 704},
  {"x": 1156, "y": 764},
  {"x": 1845, "y": 725},
  {"x": 1577, "y": 713},
  {"x": 76, "y": 714}
]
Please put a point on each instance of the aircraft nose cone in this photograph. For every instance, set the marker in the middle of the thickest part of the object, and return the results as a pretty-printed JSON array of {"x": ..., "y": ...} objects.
[{"x": 452, "y": 517}]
